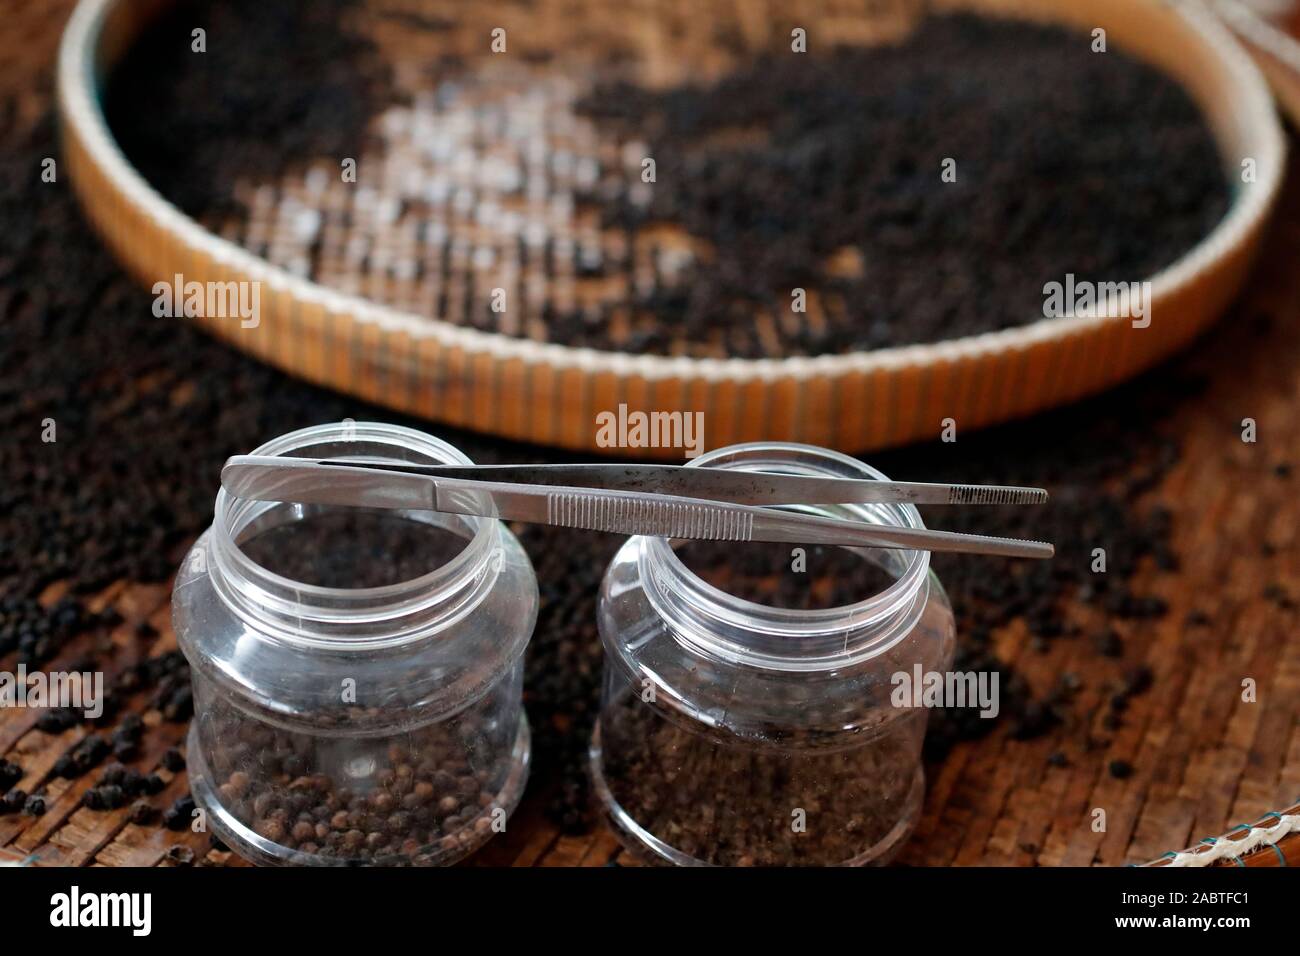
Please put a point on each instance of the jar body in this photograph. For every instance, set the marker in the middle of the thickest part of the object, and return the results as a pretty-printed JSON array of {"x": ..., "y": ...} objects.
[
  {"x": 335, "y": 725},
  {"x": 731, "y": 734}
]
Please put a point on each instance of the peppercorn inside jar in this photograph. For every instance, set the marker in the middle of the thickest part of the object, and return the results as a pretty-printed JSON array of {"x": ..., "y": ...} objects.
[
  {"x": 746, "y": 721},
  {"x": 357, "y": 673}
]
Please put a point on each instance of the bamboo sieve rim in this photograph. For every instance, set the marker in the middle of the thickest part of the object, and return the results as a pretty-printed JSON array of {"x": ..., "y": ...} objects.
[
  {"x": 80, "y": 108},
  {"x": 1276, "y": 51}
]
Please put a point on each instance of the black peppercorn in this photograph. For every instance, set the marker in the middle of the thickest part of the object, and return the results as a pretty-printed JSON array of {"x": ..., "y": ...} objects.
[
  {"x": 126, "y": 749},
  {"x": 180, "y": 855},
  {"x": 13, "y": 801},
  {"x": 179, "y": 814},
  {"x": 111, "y": 796},
  {"x": 173, "y": 761},
  {"x": 1137, "y": 680},
  {"x": 10, "y": 774},
  {"x": 57, "y": 721}
]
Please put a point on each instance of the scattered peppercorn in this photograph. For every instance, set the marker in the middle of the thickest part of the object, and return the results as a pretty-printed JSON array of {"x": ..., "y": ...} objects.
[
  {"x": 1279, "y": 596},
  {"x": 180, "y": 855},
  {"x": 1137, "y": 680},
  {"x": 1109, "y": 643},
  {"x": 142, "y": 813},
  {"x": 173, "y": 760},
  {"x": 846, "y": 164},
  {"x": 57, "y": 720},
  {"x": 82, "y": 757},
  {"x": 179, "y": 814},
  {"x": 10, "y": 774},
  {"x": 105, "y": 796}
]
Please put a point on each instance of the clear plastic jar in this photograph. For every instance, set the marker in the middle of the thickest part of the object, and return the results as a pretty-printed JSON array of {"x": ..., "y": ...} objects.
[
  {"x": 357, "y": 673},
  {"x": 737, "y": 733}
]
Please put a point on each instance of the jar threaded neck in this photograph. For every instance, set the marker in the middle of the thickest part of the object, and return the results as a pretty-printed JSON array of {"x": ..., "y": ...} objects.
[
  {"x": 341, "y": 618},
  {"x": 726, "y": 627}
]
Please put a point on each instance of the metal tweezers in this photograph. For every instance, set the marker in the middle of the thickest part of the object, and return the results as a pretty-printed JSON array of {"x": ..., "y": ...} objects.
[{"x": 665, "y": 501}]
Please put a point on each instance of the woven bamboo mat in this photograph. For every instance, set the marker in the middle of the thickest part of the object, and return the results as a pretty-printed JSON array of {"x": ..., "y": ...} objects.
[{"x": 1204, "y": 760}]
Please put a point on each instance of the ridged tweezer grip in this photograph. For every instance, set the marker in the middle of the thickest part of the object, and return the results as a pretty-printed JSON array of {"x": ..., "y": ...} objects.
[
  {"x": 658, "y": 518},
  {"x": 981, "y": 495}
]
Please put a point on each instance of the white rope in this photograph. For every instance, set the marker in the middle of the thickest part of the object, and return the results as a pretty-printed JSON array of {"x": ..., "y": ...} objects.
[{"x": 1223, "y": 848}]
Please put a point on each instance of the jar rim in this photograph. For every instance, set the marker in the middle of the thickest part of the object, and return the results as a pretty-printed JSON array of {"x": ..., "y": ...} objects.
[
  {"x": 252, "y": 588},
  {"x": 761, "y": 634}
]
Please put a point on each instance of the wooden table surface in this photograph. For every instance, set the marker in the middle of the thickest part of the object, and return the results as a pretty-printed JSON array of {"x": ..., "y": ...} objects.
[{"x": 1205, "y": 760}]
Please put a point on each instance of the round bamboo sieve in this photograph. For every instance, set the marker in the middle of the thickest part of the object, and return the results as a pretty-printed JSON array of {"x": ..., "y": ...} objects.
[{"x": 551, "y": 394}]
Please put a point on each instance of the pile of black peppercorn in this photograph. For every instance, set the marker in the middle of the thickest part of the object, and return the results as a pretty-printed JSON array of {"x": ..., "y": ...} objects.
[
  {"x": 1065, "y": 161},
  {"x": 820, "y": 171},
  {"x": 729, "y": 801},
  {"x": 299, "y": 82},
  {"x": 432, "y": 793}
]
